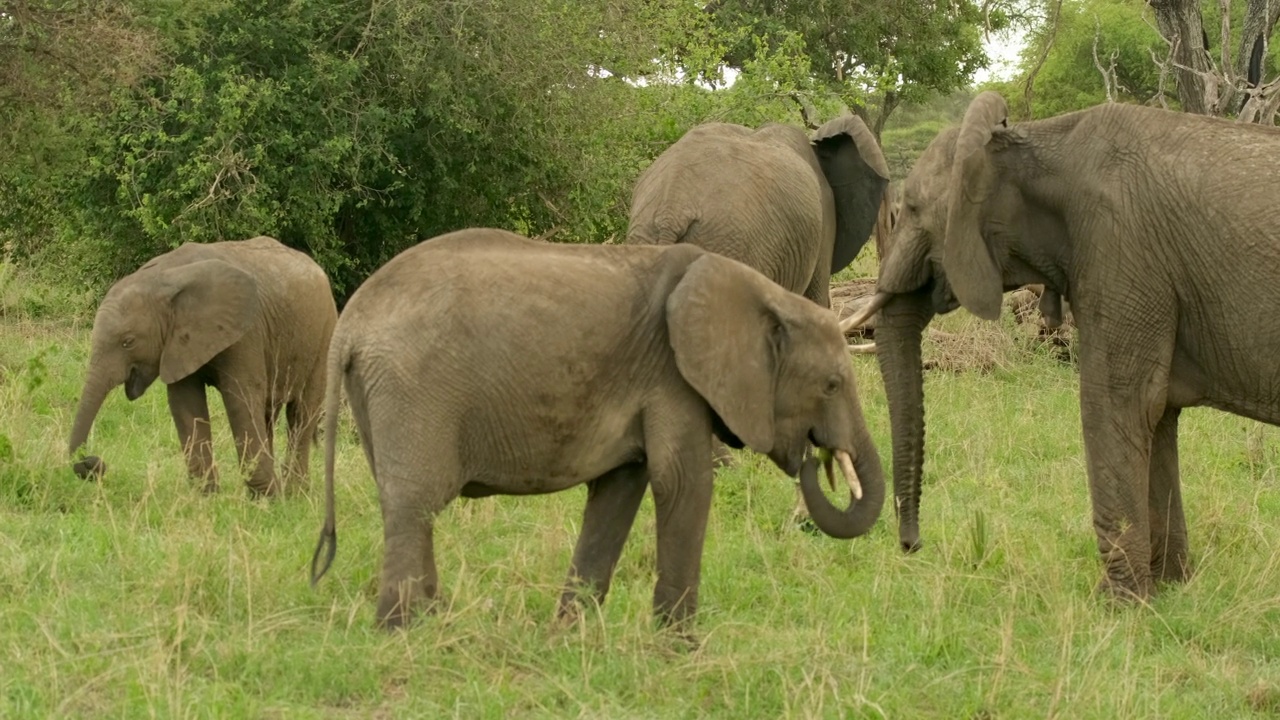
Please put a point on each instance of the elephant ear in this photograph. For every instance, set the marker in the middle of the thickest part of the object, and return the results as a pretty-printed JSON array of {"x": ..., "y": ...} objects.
[
  {"x": 973, "y": 274},
  {"x": 726, "y": 341},
  {"x": 213, "y": 303},
  {"x": 858, "y": 175}
]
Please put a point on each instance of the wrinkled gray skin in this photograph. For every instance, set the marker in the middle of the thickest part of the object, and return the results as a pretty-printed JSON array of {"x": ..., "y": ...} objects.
[
  {"x": 613, "y": 370},
  {"x": 793, "y": 208},
  {"x": 1158, "y": 227},
  {"x": 251, "y": 318}
]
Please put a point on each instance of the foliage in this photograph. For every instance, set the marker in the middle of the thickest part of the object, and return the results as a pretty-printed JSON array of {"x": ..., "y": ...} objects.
[
  {"x": 353, "y": 129},
  {"x": 1080, "y": 48},
  {"x": 869, "y": 53}
]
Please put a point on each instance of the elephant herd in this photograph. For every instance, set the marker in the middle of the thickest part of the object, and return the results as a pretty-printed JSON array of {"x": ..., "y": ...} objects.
[{"x": 481, "y": 362}]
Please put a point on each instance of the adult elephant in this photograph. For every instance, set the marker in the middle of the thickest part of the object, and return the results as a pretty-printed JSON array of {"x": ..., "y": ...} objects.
[
  {"x": 794, "y": 208},
  {"x": 251, "y": 318},
  {"x": 456, "y": 390},
  {"x": 1158, "y": 228}
]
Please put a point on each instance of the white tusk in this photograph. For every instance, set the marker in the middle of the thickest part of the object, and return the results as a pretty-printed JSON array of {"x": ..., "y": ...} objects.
[
  {"x": 863, "y": 349},
  {"x": 846, "y": 467},
  {"x": 877, "y": 301}
]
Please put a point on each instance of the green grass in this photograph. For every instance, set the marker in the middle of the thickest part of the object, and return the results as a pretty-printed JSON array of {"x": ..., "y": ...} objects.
[{"x": 140, "y": 597}]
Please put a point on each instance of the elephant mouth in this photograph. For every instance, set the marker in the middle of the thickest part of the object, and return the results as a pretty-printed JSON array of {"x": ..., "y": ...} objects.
[
  {"x": 137, "y": 383},
  {"x": 830, "y": 457}
]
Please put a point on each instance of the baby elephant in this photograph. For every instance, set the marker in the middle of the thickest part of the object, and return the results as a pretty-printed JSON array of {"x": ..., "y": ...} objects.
[
  {"x": 252, "y": 318},
  {"x": 482, "y": 363}
]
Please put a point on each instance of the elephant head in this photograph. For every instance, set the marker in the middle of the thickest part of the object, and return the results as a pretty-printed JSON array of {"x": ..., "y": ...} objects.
[
  {"x": 966, "y": 232},
  {"x": 856, "y": 170},
  {"x": 163, "y": 322},
  {"x": 773, "y": 367}
]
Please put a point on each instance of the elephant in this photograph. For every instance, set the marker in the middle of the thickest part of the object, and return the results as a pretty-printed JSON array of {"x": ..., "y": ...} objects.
[
  {"x": 1157, "y": 227},
  {"x": 251, "y": 318},
  {"x": 614, "y": 370},
  {"x": 796, "y": 209}
]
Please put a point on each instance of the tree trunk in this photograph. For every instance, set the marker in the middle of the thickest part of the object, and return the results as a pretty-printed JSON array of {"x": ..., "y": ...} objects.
[{"x": 1181, "y": 23}]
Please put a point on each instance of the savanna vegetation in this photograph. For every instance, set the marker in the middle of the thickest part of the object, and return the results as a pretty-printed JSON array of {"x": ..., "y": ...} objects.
[{"x": 352, "y": 130}]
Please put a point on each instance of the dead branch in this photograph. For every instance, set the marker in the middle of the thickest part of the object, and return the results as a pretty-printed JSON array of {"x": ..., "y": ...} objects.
[{"x": 1108, "y": 73}]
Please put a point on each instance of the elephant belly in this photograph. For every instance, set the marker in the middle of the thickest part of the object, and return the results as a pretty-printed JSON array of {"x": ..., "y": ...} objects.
[
  {"x": 538, "y": 458},
  {"x": 1248, "y": 387}
]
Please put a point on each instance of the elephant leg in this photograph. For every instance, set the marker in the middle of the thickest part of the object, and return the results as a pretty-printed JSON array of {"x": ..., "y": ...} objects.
[
  {"x": 1122, "y": 398},
  {"x": 190, "y": 409},
  {"x": 612, "y": 502},
  {"x": 409, "y": 581},
  {"x": 247, "y": 417},
  {"x": 1169, "y": 557},
  {"x": 682, "y": 500},
  {"x": 302, "y": 415}
]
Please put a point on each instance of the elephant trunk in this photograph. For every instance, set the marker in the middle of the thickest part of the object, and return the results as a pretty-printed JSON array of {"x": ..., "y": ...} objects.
[
  {"x": 898, "y": 334},
  {"x": 863, "y": 512},
  {"x": 95, "y": 392}
]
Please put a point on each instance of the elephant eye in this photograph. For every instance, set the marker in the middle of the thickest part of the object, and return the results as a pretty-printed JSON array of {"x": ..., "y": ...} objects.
[
  {"x": 833, "y": 385},
  {"x": 127, "y": 343}
]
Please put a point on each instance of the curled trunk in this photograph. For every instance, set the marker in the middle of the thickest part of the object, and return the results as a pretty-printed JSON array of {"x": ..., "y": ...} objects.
[
  {"x": 861, "y": 514},
  {"x": 898, "y": 335}
]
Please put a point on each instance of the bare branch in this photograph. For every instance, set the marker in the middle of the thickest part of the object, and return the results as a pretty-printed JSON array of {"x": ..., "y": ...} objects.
[{"x": 1109, "y": 72}]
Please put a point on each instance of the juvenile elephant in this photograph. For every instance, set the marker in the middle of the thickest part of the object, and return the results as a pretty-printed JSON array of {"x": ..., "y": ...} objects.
[
  {"x": 797, "y": 210},
  {"x": 251, "y": 318},
  {"x": 1158, "y": 228},
  {"x": 613, "y": 370}
]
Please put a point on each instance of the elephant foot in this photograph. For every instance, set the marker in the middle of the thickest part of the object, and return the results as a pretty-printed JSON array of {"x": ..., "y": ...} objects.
[
  {"x": 397, "y": 608},
  {"x": 682, "y": 639},
  {"x": 90, "y": 468},
  {"x": 263, "y": 488},
  {"x": 674, "y": 609},
  {"x": 1171, "y": 568},
  {"x": 573, "y": 601},
  {"x": 1124, "y": 592}
]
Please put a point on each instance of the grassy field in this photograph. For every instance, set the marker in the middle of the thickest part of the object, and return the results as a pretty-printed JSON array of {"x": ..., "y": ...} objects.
[{"x": 140, "y": 597}]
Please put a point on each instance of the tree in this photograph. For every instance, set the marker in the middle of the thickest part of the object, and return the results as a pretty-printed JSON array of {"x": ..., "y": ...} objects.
[
  {"x": 870, "y": 55},
  {"x": 1222, "y": 85},
  {"x": 1085, "y": 52}
]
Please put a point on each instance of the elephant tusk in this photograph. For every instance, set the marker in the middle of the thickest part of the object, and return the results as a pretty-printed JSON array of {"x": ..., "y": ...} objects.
[
  {"x": 873, "y": 306},
  {"x": 851, "y": 475},
  {"x": 863, "y": 349}
]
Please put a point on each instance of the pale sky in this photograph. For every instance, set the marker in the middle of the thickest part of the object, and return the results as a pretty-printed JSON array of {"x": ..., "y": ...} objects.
[{"x": 1003, "y": 52}]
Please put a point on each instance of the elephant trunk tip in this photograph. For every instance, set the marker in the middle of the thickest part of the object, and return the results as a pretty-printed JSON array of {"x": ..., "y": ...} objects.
[{"x": 90, "y": 468}]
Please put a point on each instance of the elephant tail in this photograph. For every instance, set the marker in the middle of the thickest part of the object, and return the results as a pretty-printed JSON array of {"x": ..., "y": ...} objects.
[{"x": 338, "y": 361}]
